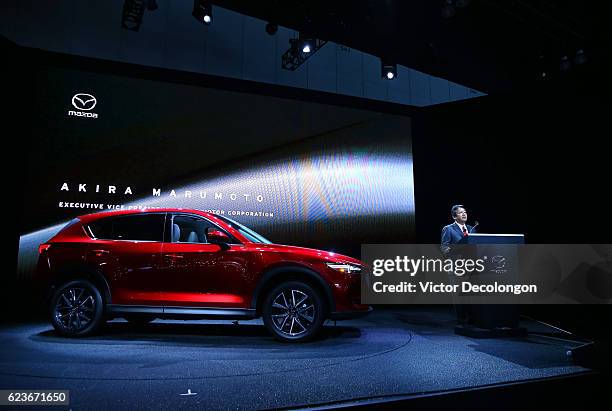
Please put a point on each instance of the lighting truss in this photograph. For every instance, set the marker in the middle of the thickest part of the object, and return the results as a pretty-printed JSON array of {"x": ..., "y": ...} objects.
[{"x": 295, "y": 57}]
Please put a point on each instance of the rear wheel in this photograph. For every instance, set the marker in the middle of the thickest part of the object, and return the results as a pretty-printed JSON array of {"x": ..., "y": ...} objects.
[
  {"x": 293, "y": 312},
  {"x": 77, "y": 309}
]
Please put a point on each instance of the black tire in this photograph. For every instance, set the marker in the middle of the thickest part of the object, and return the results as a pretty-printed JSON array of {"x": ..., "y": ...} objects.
[
  {"x": 139, "y": 320},
  {"x": 77, "y": 309},
  {"x": 288, "y": 323}
]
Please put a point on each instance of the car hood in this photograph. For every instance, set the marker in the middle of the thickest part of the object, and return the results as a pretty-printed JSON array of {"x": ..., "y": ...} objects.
[{"x": 311, "y": 252}]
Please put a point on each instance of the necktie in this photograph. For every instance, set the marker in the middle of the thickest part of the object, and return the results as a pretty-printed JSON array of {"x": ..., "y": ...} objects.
[{"x": 465, "y": 233}]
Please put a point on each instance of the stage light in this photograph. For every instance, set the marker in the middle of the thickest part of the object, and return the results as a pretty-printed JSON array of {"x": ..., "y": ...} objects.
[
  {"x": 580, "y": 57},
  {"x": 565, "y": 64},
  {"x": 202, "y": 11},
  {"x": 300, "y": 50},
  {"x": 131, "y": 17},
  {"x": 448, "y": 9},
  {"x": 544, "y": 67},
  {"x": 388, "y": 70},
  {"x": 271, "y": 28},
  {"x": 133, "y": 12},
  {"x": 306, "y": 42}
]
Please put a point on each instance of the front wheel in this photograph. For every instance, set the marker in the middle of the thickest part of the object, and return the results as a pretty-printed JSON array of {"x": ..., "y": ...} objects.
[
  {"x": 76, "y": 309},
  {"x": 293, "y": 312}
]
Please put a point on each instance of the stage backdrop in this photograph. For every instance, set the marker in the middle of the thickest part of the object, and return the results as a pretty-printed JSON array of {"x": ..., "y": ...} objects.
[{"x": 300, "y": 173}]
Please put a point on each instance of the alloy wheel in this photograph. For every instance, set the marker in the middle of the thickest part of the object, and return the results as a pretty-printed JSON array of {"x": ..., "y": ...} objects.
[
  {"x": 293, "y": 312},
  {"x": 75, "y": 309}
]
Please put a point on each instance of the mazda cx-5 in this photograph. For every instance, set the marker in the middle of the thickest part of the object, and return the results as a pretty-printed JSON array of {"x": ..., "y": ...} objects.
[{"x": 189, "y": 264}]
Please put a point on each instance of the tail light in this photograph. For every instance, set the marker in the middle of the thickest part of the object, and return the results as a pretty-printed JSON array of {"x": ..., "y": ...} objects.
[{"x": 43, "y": 247}]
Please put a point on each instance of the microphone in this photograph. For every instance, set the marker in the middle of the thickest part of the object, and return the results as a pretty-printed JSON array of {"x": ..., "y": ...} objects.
[{"x": 474, "y": 227}]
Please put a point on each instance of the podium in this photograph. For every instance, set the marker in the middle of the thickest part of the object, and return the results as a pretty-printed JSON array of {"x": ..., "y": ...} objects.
[{"x": 492, "y": 320}]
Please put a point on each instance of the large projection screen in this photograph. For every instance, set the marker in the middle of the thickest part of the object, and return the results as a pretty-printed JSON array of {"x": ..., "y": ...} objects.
[{"x": 301, "y": 173}]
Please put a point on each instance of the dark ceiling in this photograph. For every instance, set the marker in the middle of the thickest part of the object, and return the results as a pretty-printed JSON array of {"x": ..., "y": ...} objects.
[{"x": 489, "y": 45}]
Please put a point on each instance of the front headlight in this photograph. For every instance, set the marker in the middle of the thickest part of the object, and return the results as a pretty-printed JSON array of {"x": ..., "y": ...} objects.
[{"x": 344, "y": 267}]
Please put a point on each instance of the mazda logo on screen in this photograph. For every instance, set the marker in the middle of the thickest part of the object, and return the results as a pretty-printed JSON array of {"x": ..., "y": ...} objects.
[{"x": 85, "y": 102}]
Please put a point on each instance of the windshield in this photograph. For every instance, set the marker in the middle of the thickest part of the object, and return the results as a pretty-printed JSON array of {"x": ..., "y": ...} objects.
[{"x": 245, "y": 231}]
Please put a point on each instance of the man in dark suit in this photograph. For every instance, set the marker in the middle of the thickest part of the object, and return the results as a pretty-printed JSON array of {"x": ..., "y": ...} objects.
[{"x": 455, "y": 232}]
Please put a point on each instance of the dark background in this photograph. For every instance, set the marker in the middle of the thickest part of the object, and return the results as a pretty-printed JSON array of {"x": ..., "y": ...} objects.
[{"x": 534, "y": 161}]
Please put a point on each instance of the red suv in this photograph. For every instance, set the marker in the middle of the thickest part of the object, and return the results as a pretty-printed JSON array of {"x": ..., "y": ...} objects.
[{"x": 178, "y": 263}]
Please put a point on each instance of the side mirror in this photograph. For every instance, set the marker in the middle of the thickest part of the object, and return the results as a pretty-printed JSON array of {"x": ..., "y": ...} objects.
[{"x": 217, "y": 237}]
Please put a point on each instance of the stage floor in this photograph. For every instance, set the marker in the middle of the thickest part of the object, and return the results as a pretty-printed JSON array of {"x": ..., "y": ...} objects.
[{"x": 393, "y": 352}]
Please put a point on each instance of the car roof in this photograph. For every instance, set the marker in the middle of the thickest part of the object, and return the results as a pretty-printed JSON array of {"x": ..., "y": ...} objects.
[{"x": 87, "y": 218}]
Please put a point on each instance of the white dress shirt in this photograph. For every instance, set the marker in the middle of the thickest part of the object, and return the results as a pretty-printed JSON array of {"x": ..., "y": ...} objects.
[{"x": 461, "y": 226}]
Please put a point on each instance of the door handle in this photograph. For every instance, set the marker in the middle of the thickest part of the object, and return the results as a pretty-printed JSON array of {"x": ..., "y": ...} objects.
[{"x": 100, "y": 253}]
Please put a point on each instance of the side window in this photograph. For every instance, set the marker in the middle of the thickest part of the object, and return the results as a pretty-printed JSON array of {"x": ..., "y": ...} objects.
[
  {"x": 143, "y": 227},
  {"x": 190, "y": 229},
  {"x": 102, "y": 229},
  {"x": 146, "y": 227}
]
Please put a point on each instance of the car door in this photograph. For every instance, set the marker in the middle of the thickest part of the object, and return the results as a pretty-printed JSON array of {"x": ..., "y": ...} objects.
[
  {"x": 128, "y": 250},
  {"x": 198, "y": 273}
]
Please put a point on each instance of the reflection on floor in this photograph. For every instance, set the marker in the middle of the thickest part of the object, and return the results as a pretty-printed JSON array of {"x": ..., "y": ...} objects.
[{"x": 392, "y": 352}]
